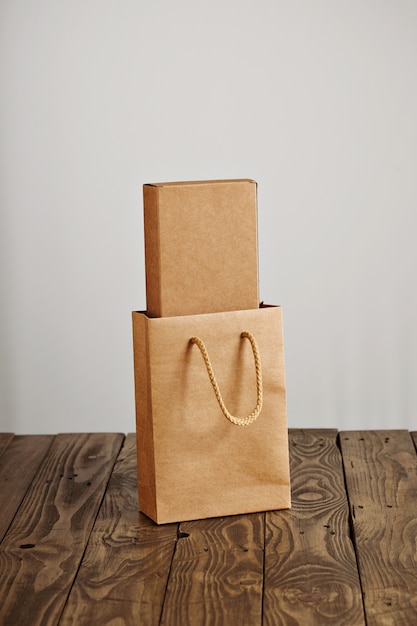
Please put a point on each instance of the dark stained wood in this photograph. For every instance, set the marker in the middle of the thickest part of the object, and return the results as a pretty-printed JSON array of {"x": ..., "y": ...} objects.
[
  {"x": 381, "y": 477},
  {"x": 310, "y": 567},
  {"x": 217, "y": 573},
  {"x": 76, "y": 551},
  {"x": 42, "y": 549},
  {"x": 5, "y": 439},
  {"x": 19, "y": 462},
  {"x": 123, "y": 576}
]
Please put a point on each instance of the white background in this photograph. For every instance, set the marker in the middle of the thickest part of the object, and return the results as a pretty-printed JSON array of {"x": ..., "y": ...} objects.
[{"x": 316, "y": 100}]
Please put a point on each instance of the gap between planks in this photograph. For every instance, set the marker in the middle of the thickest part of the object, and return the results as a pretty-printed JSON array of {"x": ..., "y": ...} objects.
[{"x": 381, "y": 478}]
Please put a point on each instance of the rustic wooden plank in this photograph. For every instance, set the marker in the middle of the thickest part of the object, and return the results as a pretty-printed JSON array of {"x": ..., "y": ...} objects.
[
  {"x": 18, "y": 465},
  {"x": 381, "y": 477},
  {"x": 217, "y": 573},
  {"x": 5, "y": 439},
  {"x": 123, "y": 576},
  {"x": 43, "y": 547},
  {"x": 311, "y": 575}
]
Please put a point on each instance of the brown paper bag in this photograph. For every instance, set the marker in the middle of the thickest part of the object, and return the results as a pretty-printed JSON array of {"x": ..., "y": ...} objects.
[{"x": 193, "y": 462}]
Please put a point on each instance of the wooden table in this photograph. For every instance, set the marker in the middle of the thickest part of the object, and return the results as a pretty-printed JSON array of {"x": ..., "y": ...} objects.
[{"x": 75, "y": 550}]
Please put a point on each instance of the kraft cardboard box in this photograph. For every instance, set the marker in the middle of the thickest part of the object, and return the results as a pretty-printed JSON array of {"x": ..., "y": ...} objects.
[{"x": 201, "y": 247}]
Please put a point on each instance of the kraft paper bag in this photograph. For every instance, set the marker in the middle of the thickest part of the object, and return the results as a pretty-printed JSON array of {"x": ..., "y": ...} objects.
[{"x": 212, "y": 436}]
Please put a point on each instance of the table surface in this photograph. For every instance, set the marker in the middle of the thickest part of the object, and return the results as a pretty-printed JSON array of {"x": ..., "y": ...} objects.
[{"x": 75, "y": 550}]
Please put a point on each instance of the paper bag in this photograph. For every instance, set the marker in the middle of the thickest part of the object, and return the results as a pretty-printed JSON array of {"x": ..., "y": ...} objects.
[{"x": 193, "y": 461}]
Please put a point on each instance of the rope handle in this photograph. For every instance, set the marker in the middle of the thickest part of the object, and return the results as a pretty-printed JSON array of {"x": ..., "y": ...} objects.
[{"x": 239, "y": 421}]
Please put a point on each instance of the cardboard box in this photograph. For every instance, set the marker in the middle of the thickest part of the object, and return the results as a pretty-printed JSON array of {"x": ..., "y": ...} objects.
[
  {"x": 193, "y": 462},
  {"x": 201, "y": 248}
]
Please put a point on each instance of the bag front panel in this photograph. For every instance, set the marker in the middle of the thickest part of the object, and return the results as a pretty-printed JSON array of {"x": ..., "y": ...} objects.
[{"x": 206, "y": 466}]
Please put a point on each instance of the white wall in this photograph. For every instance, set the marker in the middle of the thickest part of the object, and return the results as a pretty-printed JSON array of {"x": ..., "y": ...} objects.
[{"x": 315, "y": 100}]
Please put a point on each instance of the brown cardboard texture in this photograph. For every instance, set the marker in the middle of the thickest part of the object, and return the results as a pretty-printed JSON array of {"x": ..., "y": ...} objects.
[
  {"x": 193, "y": 462},
  {"x": 201, "y": 251}
]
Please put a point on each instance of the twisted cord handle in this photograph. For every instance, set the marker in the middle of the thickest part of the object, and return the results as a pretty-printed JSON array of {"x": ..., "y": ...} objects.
[{"x": 239, "y": 421}]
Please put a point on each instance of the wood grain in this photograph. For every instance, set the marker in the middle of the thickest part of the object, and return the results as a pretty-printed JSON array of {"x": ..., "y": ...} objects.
[
  {"x": 310, "y": 567},
  {"x": 5, "y": 439},
  {"x": 19, "y": 462},
  {"x": 217, "y": 573},
  {"x": 381, "y": 477},
  {"x": 42, "y": 549},
  {"x": 76, "y": 550},
  {"x": 123, "y": 575}
]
